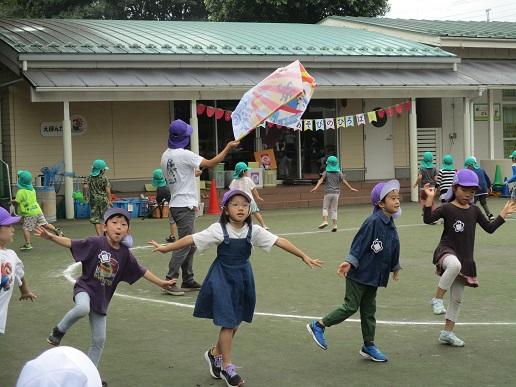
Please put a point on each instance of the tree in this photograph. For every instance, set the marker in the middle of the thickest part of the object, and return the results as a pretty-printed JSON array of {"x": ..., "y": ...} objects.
[{"x": 291, "y": 11}]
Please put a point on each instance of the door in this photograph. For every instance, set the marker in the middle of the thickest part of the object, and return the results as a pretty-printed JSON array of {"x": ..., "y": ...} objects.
[{"x": 378, "y": 144}]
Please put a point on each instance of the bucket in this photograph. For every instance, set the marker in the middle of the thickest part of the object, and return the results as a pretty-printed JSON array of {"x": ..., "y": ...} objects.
[{"x": 46, "y": 197}]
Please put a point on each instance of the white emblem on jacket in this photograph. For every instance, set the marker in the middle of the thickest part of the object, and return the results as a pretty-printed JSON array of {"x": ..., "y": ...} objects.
[
  {"x": 458, "y": 226},
  {"x": 377, "y": 246}
]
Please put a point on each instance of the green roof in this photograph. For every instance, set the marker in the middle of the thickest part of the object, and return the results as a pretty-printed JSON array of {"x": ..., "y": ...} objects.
[
  {"x": 104, "y": 37},
  {"x": 442, "y": 28}
]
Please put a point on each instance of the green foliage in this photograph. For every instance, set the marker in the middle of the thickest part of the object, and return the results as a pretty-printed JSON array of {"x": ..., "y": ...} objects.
[{"x": 291, "y": 11}]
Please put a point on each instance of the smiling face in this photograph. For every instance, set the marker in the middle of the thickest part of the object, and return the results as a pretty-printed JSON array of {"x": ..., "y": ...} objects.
[
  {"x": 390, "y": 203},
  {"x": 115, "y": 229},
  {"x": 238, "y": 209},
  {"x": 464, "y": 195},
  {"x": 6, "y": 235}
]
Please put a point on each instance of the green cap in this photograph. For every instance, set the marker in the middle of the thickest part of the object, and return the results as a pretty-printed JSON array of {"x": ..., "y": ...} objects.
[
  {"x": 97, "y": 167},
  {"x": 157, "y": 178},
  {"x": 332, "y": 164},
  {"x": 239, "y": 168},
  {"x": 471, "y": 161},
  {"x": 448, "y": 163},
  {"x": 24, "y": 180},
  {"x": 513, "y": 155},
  {"x": 428, "y": 160}
]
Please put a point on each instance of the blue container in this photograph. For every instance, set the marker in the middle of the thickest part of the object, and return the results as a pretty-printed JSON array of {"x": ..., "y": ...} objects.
[
  {"x": 144, "y": 208},
  {"x": 82, "y": 210},
  {"x": 121, "y": 204},
  {"x": 134, "y": 207}
]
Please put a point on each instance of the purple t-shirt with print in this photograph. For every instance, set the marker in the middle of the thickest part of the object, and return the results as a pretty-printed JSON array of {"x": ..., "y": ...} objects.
[{"x": 103, "y": 267}]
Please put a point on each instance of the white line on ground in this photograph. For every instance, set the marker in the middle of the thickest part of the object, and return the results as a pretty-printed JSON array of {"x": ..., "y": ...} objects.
[{"x": 69, "y": 271}]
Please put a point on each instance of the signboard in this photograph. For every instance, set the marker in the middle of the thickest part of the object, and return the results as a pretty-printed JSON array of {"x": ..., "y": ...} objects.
[
  {"x": 481, "y": 111},
  {"x": 79, "y": 126}
]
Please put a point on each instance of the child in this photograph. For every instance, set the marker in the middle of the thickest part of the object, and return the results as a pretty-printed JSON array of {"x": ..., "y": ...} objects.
[
  {"x": 29, "y": 208},
  {"x": 373, "y": 255},
  {"x": 162, "y": 197},
  {"x": 243, "y": 182},
  {"x": 98, "y": 192},
  {"x": 484, "y": 184},
  {"x": 453, "y": 256},
  {"x": 427, "y": 174},
  {"x": 106, "y": 261},
  {"x": 445, "y": 176},
  {"x": 228, "y": 294},
  {"x": 512, "y": 179},
  {"x": 333, "y": 177},
  {"x": 11, "y": 267}
]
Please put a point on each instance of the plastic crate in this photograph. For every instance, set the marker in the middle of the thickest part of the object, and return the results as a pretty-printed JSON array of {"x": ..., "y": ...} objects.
[
  {"x": 131, "y": 205},
  {"x": 144, "y": 208},
  {"x": 82, "y": 210}
]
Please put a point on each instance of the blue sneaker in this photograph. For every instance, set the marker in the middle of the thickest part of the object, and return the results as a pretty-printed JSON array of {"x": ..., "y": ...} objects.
[
  {"x": 372, "y": 353},
  {"x": 317, "y": 334}
]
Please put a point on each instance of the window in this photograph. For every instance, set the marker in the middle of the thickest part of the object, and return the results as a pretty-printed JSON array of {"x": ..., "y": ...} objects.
[{"x": 509, "y": 129}]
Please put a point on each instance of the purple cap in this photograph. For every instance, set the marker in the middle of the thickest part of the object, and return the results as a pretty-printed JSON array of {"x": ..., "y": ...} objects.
[
  {"x": 233, "y": 192},
  {"x": 381, "y": 190},
  {"x": 179, "y": 133},
  {"x": 6, "y": 219},
  {"x": 110, "y": 212},
  {"x": 464, "y": 177}
]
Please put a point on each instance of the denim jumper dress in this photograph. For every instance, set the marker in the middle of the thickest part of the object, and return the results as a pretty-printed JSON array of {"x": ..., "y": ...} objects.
[{"x": 228, "y": 294}]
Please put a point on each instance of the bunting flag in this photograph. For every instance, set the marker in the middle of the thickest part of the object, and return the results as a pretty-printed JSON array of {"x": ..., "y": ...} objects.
[
  {"x": 389, "y": 112},
  {"x": 408, "y": 105},
  {"x": 319, "y": 124},
  {"x": 350, "y": 121},
  {"x": 399, "y": 108},
  {"x": 381, "y": 113},
  {"x": 341, "y": 122},
  {"x": 227, "y": 115},
  {"x": 299, "y": 125},
  {"x": 308, "y": 124},
  {"x": 371, "y": 116},
  {"x": 329, "y": 123},
  {"x": 360, "y": 118}
]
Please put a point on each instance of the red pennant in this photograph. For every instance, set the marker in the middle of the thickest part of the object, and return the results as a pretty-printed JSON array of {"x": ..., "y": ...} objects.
[
  {"x": 399, "y": 108},
  {"x": 210, "y": 111},
  {"x": 408, "y": 105},
  {"x": 270, "y": 124},
  {"x": 389, "y": 112},
  {"x": 381, "y": 113},
  {"x": 200, "y": 108},
  {"x": 227, "y": 115},
  {"x": 219, "y": 113}
]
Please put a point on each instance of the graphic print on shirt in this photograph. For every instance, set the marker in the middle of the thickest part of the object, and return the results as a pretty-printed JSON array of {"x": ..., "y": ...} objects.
[
  {"x": 377, "y": 246},
  {"x": 458, "y": 226},
  {"x": 106, "y": 268},
  {"x": 171, "y": 172},
  {"x": 6, "y": 278}
]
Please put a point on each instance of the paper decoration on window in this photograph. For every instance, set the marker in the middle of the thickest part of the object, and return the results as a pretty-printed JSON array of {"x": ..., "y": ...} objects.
[
  {"x": 360, "y": 119},
  {"x": 341, "y": 122},
  {"x": 329, "y": 123},
  {"x": 371, "y": 116},
  {"x": 227, "y": 115},
  {"x": 381, "y": 113},
  {"x": 399, "y": 108},
  {"x": 308, "y": 124},
  {"x": 350, "y": 121},
  {"x": 210, "y": 111},
  {"x": 219, "y": 113},
  {"x": 319, "y": 124},
  {"x": 389, "y": 112},
  {"x": 200, "y": 108},
  {"x": 299, "y": 125}
]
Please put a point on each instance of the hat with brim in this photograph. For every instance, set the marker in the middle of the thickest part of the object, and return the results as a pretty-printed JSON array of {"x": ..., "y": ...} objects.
[
  {"x": 60, "y": 366},
  {"x": 465, "y": 178},
  {"x": 239, "y": 168},
  {"x": 7, "y": 219},
  {"x": 332, "y": 164},
  {"x": 447, "y": 164},
  {"x": 179, "y": 133},
  {"x": 513, "y": 155},
  {"x": 380, "y": 190},
  {"x": 24, "y": 180},
  {"x": 471, "y": 162},
  {"x": 97, "y": 167},
  {"x": 113, "y": 211},
  {"x": 157, "y": 178},
  {"x": 428, "y": 160},
  {"x": 234, "y": 192}
]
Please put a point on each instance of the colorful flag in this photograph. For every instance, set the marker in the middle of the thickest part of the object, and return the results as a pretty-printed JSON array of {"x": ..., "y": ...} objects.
[
  {"x": 299, "y": 125},
  {"x": 329, "y": 123},
  {"x": 308, "y": 124},
  {"x": 319, "y": 124},
  {"x": 281, "y": 98},
  {"x": 371, "y": 116},
  {"x": 350, "y": 121},
  {"x": 341, "y": 122},
  {"x": 360, "y": 119}
]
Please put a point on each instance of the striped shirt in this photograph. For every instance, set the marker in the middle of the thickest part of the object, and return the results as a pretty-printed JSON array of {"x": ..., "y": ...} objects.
[{"x": 444, "y": 179}]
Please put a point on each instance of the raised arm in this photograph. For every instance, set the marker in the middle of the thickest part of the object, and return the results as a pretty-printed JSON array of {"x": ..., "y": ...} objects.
[
  {"x": 350, "y": 187},
  {"x": 220, "y": 157},
  {"x": 151, "y": 277},
  {"x": 289, "y": 247},
  {"x": 59, "y": 240},
  {"x": 319, "y": 182},
  {"x": 430, "y": 216},
  {"x": 177, "y": 245},
  {"x": 256, "y": 194},
  {"x": 490, "y": 227}
]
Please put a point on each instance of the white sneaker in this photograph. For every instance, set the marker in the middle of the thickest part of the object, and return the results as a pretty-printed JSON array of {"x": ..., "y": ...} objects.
[
  {"x": 449, "y": 338},
  {"x": 438, "y": 306}
]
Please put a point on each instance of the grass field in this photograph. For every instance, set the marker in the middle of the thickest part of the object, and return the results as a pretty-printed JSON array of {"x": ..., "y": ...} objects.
[{"x": 153, "y": 340}]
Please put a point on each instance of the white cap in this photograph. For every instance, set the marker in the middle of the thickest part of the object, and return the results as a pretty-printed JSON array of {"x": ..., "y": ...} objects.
[{"x": 60, "y": 366}]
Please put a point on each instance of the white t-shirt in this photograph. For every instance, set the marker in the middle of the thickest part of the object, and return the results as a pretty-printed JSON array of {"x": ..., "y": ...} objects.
[
  {"x": 213, "y": 236},
  {"x": 11, "y": 268},
  {"x": 178, "y": 166},
  {"x": 245, "y": 183}
]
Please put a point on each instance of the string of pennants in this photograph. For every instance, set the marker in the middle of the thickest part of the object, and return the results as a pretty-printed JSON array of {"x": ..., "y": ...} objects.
[{"x": 318, "y": 124}]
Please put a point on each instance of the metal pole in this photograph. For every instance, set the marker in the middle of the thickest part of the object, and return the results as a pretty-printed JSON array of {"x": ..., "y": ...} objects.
[
  {"x": 68, "y": 161},
  {"x": 299, "y": 162},
  {"x": 472, "y": 130},
  {"x": 467, "y": 127},
  {"x": 490, "y": 96},
  {"x": 414, "y": 192}
]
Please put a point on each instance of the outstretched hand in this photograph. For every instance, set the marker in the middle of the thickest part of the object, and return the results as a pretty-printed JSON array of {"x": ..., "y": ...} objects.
[
  {"x": 429, "y": 191},
  {"x": 509, "y": 208},
  {"x": 157, "y": 246},
  {"x": 28, "y": 296},
  {"x": 312, "y": 262},
  {"x": 42, "y": 233},
  {"x": 166, "y": 283},
  {"x": 343, "y": 269},
  {"x": 396, "y": 275}
]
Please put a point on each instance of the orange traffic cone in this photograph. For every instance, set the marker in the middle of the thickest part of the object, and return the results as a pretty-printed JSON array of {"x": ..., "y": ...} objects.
[{"x": 213, "y": 207}]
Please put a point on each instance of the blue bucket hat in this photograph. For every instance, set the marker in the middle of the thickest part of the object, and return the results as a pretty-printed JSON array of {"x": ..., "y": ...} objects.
[
  {"x": 471, "y": 161},
  {"x": 179, "y": 133},
  {"x": 239, "y": 168},
  {"x": 157, "y": 178},
  {"x": 428, "y": 160},
  {"x": 448, "y": 163},
  {"x": 97, "y": 167},
  {"x": 24, "y": 180},
  {"x": 332, "y": 164}
]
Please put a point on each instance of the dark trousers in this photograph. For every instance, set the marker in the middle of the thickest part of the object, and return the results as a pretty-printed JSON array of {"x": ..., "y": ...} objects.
[
  {"x": 483, "y": 202},
  {"x": 361, "y": 297},
  {"x": 183, "y": 258}
]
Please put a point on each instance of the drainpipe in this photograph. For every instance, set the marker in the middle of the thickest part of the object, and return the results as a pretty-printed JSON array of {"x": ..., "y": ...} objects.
[
  {"x": 67, "y": 150},
  {"x": 467, "y": 127},
  {"x": 414, "y": 170},
  {"x": 490, "y": 96},
  {"x": 194, "y": 140}
]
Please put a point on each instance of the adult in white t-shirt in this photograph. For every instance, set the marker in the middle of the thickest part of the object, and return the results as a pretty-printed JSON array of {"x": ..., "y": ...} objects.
[{"x": 179, "y": 166}]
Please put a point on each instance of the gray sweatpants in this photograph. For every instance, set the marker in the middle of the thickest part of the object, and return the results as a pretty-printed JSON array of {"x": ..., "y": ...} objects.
[
  {"x": 97, "y": 325},
  {"x": 182, "y": 259},
  {"x": 330, "y": 205},
  {"x": 454, "y": 284}
]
